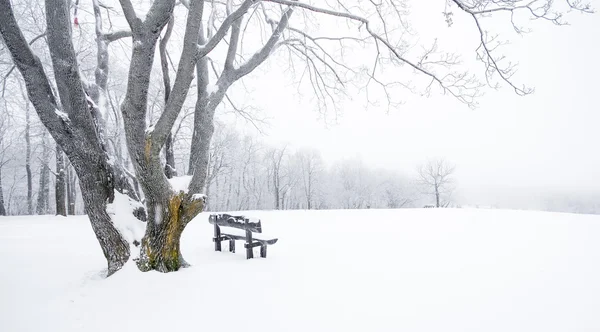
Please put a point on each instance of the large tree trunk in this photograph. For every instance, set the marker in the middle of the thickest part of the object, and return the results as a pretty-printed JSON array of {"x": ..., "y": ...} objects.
[
  {"x": 167, "y": 218},
  {"x": 59, "y": 187},
  {"x": 168, "y": 211}
]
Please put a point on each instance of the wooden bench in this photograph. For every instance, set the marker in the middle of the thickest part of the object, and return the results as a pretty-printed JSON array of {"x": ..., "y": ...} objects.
[{"x": 243, "y": 223}]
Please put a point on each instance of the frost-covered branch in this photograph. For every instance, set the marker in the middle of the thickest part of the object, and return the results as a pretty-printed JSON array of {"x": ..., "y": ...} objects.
[{"x": 116, "y": 35}]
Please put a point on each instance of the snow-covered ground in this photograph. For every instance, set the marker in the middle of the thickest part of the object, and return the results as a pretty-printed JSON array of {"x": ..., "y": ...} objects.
[{"x": 368, "y": 270}]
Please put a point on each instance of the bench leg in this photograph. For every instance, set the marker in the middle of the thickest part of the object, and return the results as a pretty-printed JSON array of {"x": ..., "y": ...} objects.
[
  {"x": 217, "y": 238},
  {"x": 231, "y": 245},
  {"x": 263, "y": 251},
  {"x": 249, "y": 253}
]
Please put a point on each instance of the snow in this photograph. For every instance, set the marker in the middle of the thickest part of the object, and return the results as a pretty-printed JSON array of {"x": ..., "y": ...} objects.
[
  {"x": 157, "y": 213},
  {"x": 347, "y": 270},
  {"x": 198, "y": 196},
  {"x": 64, "y": 116},
  {"x": 180, "y": 183},
  {"x": 150, "y": 129},
  {"x": 121, "y": 213},
  {"x": 91, "y": 101},
  {"x": 211, "y": 88}
]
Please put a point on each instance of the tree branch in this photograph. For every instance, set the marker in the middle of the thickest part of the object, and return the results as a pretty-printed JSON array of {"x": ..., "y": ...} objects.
[
  {"x": 38, "y": 86},
  {"x": 260, "y": 56},
  {"x": 135, "y": 23},
  {"x": 43, "y": 34},
  {"x": 233, "y": 44},
  {"x": 446, "y": 86},
  {"x": 203, "y": 50},
  {"x": 185, "y": 75},
  {"x": 114, "y": 36}
]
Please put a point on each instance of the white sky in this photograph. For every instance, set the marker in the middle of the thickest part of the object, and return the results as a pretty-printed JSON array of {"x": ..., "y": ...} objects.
[{"x": 547, "y": 140}]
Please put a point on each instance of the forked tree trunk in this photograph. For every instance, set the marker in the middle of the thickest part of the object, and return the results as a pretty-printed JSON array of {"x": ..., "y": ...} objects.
[{"x": 168, "y": 212}]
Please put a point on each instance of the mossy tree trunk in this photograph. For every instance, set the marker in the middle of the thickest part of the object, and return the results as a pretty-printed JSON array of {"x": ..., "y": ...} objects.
[{"x": 167, "y": 219}]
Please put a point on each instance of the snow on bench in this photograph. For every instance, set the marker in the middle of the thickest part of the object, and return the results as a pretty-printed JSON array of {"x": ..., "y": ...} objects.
[{"x": 241, "y": 229}]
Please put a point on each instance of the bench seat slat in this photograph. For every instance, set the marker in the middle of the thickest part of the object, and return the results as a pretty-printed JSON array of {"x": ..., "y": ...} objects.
[{"x": 227, "y": 236}]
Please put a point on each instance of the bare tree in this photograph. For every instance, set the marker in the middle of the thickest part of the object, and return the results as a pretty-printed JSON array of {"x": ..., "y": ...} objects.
[
  {"x": 436, "y": 178},
  {"x": 276, "y": 159},
  {"x": 311, "y": 166}
]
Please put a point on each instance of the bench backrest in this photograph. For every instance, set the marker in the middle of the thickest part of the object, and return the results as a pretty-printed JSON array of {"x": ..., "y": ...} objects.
[{"x": 240, "y": 222}]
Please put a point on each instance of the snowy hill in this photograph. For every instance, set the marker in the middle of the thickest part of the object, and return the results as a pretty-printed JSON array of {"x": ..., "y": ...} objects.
[{"x": 368, "y": 270}]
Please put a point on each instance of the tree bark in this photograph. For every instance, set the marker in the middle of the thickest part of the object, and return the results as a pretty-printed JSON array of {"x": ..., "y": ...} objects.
[
  {"x": 71, "y": 191},
  {"x": 59, "y": 187},
  {"x": 28, "y": 160},
  {"x": 170, "y": 170},
  {"x": 167, "y": 219},
  {"x": 43, "y": 200}
]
